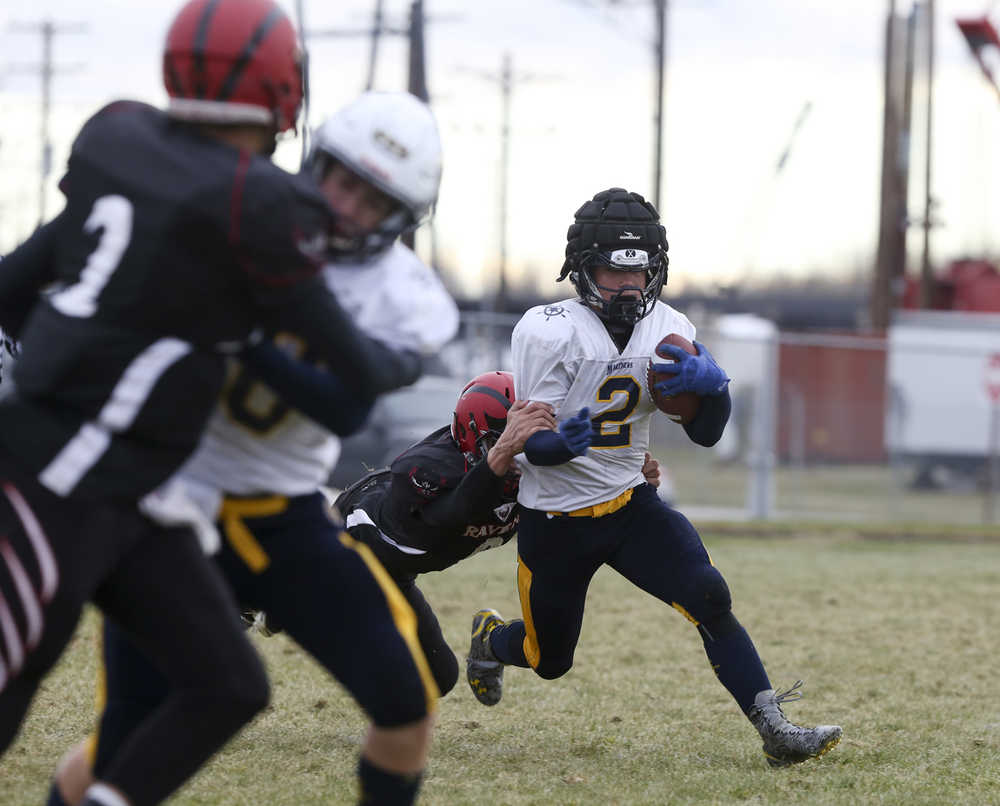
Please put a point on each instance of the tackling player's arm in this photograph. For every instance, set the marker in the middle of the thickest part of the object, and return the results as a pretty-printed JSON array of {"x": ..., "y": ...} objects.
[{"x": 482, "y": 488}]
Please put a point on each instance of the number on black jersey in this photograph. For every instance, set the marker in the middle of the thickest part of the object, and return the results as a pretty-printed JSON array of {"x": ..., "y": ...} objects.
[{"x": 113, "y": 216}]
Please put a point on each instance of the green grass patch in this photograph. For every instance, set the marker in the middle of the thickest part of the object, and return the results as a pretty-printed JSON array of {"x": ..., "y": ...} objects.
[{"x": 896, "y": 641}]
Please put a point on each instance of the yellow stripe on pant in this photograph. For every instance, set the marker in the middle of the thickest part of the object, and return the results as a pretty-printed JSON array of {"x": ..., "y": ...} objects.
[
  {"x": 402, "y": 615},
  {"x": 100, "y": 703},
  {"x": 532, "y": 652},
  {"x": 231, "y": 514}
]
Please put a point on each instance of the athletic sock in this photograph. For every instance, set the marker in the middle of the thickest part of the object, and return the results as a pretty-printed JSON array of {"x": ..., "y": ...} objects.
[
  {"x": 386, "y": 788},
  {"x": 737, "y": 665},
  {"x": 507, "y": 643}
]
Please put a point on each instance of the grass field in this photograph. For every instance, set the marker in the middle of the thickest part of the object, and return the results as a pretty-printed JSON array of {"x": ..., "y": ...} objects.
[{"x": 896, "y": 640}]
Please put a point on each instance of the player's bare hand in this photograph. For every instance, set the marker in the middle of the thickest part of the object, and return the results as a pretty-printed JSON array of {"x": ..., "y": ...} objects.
[
  {"x": 651, "y": 470},
  {"x": 524, "y": 418}
]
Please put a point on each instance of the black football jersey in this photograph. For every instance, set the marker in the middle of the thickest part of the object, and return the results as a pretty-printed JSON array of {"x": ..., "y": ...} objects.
[
  {"x": 169, "y": 249},
  {"x": 432, "y": 502}
]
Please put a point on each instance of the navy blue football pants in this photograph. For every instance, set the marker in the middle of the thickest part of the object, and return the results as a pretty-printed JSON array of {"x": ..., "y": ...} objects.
[
  {"x": 654, "y": 547},
  {"x": 443, "y": 663},
  {"x": 287, "y": 557},
  {"x": 55, "y": 554}
]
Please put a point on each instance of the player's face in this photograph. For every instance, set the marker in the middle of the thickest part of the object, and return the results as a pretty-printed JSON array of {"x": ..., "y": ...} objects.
[
  {"x": 611, "y": 282},
  {"x": 360, "y": 207}
]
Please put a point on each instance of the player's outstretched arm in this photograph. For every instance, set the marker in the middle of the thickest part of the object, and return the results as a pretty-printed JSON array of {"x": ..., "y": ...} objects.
[
  {"x": 571, "y": 439},
  {"x": 524, "y": 418}
]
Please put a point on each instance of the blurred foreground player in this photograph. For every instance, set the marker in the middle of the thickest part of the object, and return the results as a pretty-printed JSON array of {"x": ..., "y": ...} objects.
[
  {"x": 177, "y": 238},
  {"x": 581, "y": 509},
  {"x": 260, "y": 463}
]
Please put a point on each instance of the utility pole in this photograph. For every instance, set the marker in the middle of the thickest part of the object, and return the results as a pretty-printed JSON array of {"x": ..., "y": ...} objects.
[
  {"x": 417, "y": 86},
  {"x": 417, "y": 73},
  {"x": 375, "y": 33},
  {"x": 660, "y": 55},
  {"x": 300, "y": 15},
  {"x": 505, "y": 80},
  {"x": 46, "y": 70},
  {"x": 926, "y": 277},
  {"x": 891, "y": 258},
  {"x": 660, "y": 13}
]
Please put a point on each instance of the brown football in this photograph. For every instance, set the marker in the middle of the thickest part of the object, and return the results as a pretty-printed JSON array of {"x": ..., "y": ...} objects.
[{"x": 680, "y": 408}]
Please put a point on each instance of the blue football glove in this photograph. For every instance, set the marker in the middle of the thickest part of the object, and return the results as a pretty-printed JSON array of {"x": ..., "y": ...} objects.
[
  {"x": 692, "y": 373},
  {"x": 577, "y": 432}
]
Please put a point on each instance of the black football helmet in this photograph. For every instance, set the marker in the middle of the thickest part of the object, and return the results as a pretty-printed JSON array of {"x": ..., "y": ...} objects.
[{"x": 620, "y": 231}]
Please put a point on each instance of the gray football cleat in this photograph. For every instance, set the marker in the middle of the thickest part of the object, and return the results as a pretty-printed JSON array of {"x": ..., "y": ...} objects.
[
  {"x": 784, "y": 742},
  {"x": 482, "y": 669}
]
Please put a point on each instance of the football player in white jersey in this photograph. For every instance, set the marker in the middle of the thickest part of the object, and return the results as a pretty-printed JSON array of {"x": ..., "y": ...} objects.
[
  {"x": 261, "y": 462},
  {"x": 584, "y": 502}
]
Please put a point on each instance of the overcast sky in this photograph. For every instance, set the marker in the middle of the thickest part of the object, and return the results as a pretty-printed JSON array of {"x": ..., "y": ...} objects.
[{"x": 739, "y": 76}]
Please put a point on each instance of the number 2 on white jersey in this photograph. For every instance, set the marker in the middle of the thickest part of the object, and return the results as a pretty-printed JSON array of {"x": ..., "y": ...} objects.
[{"x": 112, "y": 215}]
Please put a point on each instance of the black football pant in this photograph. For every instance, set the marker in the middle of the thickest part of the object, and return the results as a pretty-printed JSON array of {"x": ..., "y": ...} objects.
[
  {"x": 156, "y": 583},
  {"x": 286, "y": 556},
  {"x": 654, "y": 547}
]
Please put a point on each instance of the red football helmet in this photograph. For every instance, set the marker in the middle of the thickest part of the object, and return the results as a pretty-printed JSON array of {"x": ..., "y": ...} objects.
[
  {"x": 481, "y": 413},
  {"x": 233, "y": 61}
]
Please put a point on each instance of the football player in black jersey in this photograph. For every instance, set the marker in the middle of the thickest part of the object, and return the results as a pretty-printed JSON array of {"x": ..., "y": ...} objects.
[
  {"x": 259, "y": 466},
  {"x": 450, "y": 495},
  {"x": 178, "y": 238}
]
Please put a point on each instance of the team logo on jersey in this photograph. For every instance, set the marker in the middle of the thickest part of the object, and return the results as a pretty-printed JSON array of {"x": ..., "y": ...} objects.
[
  {"x": 425, "y": 487},
  {"x": 552, "y": 311},
  {"x": 618, "y": 366},
  {"x": 492, "y": 530},
  {"x": 503, "y": 511}
]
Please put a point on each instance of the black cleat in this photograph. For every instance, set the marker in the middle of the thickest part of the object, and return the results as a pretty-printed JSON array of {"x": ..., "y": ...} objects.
[
  {"x": 482, "y": 669},
  {"x": 784, "y": 742}
]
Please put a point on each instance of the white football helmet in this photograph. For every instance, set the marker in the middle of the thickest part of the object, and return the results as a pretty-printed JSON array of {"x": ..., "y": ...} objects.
[{"x": 391, "y": 140}]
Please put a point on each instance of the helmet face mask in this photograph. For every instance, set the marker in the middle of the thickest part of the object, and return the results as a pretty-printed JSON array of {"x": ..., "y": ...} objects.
[
  {"x": 233, "y": 62},
  {"x": 481, "y": 414},
  {"x": 619, "y": 231},
  {"x": 389, "y": 140}
]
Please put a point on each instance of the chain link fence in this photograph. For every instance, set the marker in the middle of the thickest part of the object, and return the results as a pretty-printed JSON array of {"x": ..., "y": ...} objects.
[{"x": 826, "y": 427}]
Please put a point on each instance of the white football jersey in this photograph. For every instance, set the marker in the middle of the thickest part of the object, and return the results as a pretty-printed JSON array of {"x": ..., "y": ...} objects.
[
  {"x": 255, "y": 444},
  {"x": 563, "y": 355}
]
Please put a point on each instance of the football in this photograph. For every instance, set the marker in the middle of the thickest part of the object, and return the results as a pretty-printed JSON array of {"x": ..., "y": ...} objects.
[{"x": 680, "y": 408}]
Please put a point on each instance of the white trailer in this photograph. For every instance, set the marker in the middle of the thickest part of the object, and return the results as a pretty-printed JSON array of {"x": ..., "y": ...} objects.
[{"x": 943, "y": 379}]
